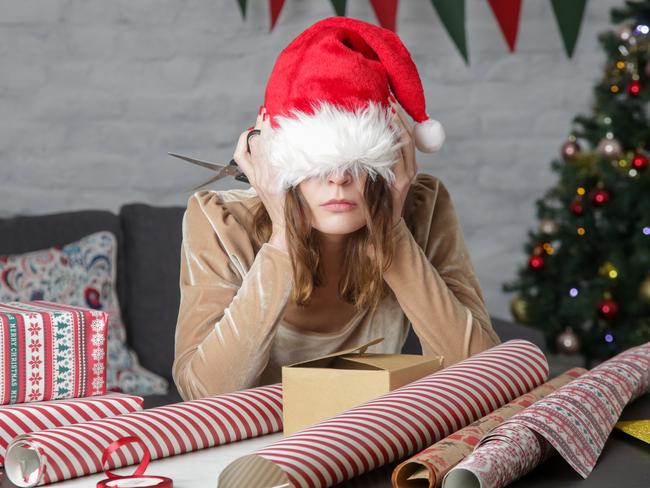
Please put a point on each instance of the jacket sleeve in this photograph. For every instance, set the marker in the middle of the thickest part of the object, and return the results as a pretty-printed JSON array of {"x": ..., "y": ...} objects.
[
  {"x": 226, "y": 322},
  {"x": 436, "y": 285}
]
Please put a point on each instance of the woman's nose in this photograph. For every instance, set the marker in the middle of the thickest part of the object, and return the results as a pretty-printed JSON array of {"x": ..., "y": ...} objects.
[{"x": 339, "y": 178}]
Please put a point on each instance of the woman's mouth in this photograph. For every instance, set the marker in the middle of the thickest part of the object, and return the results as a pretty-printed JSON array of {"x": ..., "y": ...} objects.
[{"x": 339, "y": 205}]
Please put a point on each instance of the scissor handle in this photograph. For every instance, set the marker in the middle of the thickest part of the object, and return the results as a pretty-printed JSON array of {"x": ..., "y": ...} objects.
[{"x": 239, "y": 177}]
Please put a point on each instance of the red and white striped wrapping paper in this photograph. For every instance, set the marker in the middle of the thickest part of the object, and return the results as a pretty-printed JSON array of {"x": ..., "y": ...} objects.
[
  {"x": 50, "y": 351},
  {"x": 76, "y": 450},
  {"x": 29, "y": 417},
  {"x": 395, "y": 424},
  {"x": 574, "y": 421}
]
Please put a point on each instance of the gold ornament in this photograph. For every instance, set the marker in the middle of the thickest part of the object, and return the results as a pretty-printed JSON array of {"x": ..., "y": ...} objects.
[
  {"x": 568, "y": 342},
  {"x": 519, "y": 309},
  {"x": 608, "y": 270},
  {"x": 644, "y": 290}
]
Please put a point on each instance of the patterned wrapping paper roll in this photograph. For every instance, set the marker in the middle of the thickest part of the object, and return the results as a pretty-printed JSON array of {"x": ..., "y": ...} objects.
[
  {"x": 30, "y": 417},
  {"x": 68, "y": 452},
  {"x": 50, "y": 351},
  {"x": 574, "y": 421},
  {"x": 434, "y": 462},
  {"x": 395, "y": 424}
]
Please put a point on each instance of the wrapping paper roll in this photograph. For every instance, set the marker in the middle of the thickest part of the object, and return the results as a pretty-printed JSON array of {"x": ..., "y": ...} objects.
[
  {"x": 67, "y": 452},
  {"x": 395, "y": 424},
  {"x": 29, "y": 417},
  {"x": 434, "y": 462},
  {"x": 574, "y": 421},
  {"x": 50, "y": 351}
]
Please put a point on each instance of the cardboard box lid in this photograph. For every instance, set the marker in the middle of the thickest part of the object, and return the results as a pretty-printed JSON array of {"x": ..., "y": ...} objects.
[
  {"x": 378, "y": 361},
  {"x": 362, "y": 348}
]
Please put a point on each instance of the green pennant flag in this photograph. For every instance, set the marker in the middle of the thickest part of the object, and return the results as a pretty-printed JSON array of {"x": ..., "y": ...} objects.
[
  {"x": 452, "y": 15},
  {"x": 568, "y": 14},
  {"x": 242, "y": 7},
  {"x": 339, "y": 6}
]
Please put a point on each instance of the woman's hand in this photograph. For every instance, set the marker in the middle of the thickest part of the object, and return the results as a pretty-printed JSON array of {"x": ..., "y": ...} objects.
[
  {"x": 262, "y": 178},
  {"x": 406, "y": 169}
]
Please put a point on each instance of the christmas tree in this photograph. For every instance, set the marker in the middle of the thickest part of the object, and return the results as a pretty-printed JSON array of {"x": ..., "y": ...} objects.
[{"x": 586, "y": 280}]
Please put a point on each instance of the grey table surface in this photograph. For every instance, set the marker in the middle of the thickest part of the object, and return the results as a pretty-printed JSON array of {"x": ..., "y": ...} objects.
[{"x": 624, "y": 462}]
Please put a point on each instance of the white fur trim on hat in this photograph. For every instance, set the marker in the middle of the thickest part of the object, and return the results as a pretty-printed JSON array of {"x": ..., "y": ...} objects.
[{"x": 333, "y": 139}]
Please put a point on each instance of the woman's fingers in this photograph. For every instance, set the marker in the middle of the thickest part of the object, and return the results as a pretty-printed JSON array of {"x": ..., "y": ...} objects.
[
  {"x": 402, "y": 117},
  {"x": 242, "y": 157},
  {"x": 253, "y": 141}
]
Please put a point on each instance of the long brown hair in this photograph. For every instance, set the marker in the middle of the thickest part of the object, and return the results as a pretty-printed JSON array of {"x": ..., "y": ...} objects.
[{"x": 362, "y": 282}]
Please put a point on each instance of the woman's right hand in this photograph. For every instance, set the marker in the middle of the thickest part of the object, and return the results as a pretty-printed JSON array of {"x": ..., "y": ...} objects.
[{"x": 261, "y": 177}]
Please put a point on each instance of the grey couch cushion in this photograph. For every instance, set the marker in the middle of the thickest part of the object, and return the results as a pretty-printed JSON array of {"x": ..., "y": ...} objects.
[
  {"x": 21, "y": 234},
  {"x": 152, "y": 242}
]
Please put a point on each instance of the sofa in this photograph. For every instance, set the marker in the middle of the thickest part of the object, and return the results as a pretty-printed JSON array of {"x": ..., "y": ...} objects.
[{"x": 148, "y": 263}]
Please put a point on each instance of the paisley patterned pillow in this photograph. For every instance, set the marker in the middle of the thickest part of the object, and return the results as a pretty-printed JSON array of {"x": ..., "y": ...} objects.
[{"x": 82, "y": 273}]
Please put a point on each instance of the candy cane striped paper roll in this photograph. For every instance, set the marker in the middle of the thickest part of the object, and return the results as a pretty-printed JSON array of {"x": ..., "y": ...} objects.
[
  {"x": 431, "y": 464},
  {"x": 575, "y": 421},
  {"x": 395, "y": 424},
  {"x": 67, "y": 452},
  {"x": 50, "y": 351},
  {"x": 24, "y": 418}
]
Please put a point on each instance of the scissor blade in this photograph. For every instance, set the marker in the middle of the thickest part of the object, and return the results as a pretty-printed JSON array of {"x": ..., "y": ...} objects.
[
  {"x": 211, "y": 180},
  {"x": 205, "y": 164}
]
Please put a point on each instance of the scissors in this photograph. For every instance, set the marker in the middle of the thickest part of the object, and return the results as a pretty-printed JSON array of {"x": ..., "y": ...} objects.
[{"x": 223, "y": 170}]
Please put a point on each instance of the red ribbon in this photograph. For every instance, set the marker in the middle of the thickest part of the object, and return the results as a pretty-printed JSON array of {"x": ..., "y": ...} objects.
[{"x": 163, "y": 482}]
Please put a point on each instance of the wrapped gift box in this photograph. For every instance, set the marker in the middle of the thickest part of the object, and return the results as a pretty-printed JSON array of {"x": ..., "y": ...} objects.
[
  {"x": 325, "y": 386},
  {"x": 50, "y": 351}
]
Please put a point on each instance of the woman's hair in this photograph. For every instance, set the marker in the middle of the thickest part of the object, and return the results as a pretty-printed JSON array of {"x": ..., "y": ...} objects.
[{"x": 362, "y": 283}]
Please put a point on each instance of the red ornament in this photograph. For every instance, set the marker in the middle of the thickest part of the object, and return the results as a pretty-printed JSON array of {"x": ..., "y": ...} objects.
[
  {"x": 607, "y": 308},
  {"x": 576, "y": 207},
  {"x": 634, "y": 88},
  {"x": 600, "y": 197},
  {"x": 639, "y": 162},
  {"x": 536, "y": 262}
]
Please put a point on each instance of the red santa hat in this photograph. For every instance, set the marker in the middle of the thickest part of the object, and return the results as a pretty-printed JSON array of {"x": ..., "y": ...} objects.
[{"x": 327, "y": 98}]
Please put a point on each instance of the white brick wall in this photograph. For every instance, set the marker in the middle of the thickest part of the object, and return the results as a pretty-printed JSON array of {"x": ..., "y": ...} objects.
[{"x": 94, "y": 93}]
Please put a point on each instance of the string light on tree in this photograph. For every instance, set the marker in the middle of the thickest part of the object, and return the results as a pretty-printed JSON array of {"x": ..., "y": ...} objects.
[
  {"x": 568, "y": 342},
  {"x": 608, "y": 270},
  {"x": 548, "y": 226},
  {"x": 609, "y": 146}
]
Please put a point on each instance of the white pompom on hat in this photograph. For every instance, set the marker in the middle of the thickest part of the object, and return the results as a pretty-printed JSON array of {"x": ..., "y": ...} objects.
[{"x": 327, "y": 98}]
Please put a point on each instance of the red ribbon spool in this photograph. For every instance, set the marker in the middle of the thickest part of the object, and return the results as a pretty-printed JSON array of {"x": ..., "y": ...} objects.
[{"x": 136, "y": 479}]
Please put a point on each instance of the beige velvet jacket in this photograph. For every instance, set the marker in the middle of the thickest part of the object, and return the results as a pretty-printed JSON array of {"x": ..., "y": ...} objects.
[{"x": 233, "y": 296}]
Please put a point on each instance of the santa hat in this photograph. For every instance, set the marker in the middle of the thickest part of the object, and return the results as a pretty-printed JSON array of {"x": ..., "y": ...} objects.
[{"x": 327, "y": 98}]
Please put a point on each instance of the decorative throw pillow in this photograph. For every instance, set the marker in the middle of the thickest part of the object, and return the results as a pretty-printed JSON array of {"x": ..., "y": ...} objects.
[{"x": 82, "y": 273}]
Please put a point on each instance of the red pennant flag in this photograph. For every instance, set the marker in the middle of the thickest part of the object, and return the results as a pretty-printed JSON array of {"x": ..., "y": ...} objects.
[
  {"x": 276, "y": 7},
  {"x": 507, "y": 14},
  {"x": 386, "y": 12}
]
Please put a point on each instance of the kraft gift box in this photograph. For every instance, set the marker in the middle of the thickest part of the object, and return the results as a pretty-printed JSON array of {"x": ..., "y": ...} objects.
[{"x": 325, "y": 386}]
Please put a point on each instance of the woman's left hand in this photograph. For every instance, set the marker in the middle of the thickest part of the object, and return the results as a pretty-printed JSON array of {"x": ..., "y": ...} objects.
[{"x": 406, "y": 169}]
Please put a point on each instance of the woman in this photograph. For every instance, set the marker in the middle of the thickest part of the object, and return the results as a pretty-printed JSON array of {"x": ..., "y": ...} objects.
[{"x": 273, "y": 275}]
